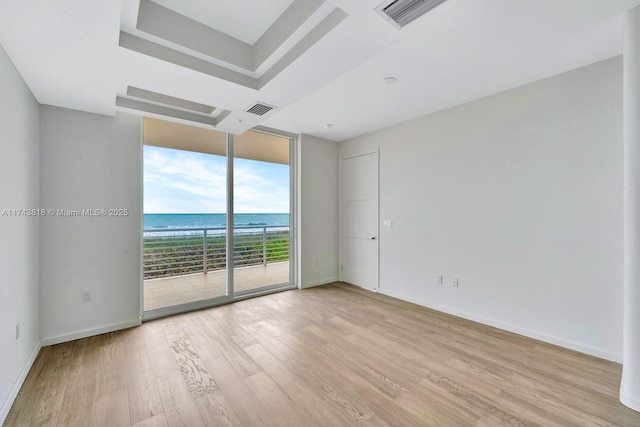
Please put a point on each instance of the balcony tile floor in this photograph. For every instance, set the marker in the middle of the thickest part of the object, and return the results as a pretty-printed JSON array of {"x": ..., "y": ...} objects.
[{"x": 175, "y": 290}]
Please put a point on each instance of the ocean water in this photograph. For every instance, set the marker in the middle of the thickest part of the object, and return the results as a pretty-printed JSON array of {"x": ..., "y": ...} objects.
[{"x": 170, "y": 221}]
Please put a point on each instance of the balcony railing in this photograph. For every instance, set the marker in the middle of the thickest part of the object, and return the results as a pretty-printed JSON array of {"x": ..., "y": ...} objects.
[{"x": 177, "y": 251}]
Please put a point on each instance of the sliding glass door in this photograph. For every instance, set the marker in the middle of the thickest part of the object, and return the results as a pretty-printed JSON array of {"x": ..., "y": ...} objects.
[{"x": 195, "y": 180}]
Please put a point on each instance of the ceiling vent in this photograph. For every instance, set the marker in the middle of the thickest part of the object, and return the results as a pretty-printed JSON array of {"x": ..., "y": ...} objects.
[
  {"x": 402, "y": 12},
  {"x": 259, "y": 109}
]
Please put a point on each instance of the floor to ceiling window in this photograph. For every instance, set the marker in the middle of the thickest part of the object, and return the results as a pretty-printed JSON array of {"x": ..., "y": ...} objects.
[{"x": 195, "y": 179}]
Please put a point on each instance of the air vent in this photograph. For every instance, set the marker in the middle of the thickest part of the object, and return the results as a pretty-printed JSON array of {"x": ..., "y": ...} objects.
[
  {"x": 259, "y": 109},
  {"x": 402, "y": 12}
]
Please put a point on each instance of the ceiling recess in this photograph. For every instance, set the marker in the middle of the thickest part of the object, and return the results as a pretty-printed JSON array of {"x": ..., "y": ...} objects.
[
  {"x": 402, "y": 12},
  {"x": 259, "y": 109}
]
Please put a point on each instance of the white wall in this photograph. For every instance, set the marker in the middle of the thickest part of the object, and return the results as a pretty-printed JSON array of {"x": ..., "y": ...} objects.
[
  {"x": 519, "y": 195},
  {"x": 19, "y": 189},
  {"x": 318, "y": 206},
  {"x": 89, "y": 161}
]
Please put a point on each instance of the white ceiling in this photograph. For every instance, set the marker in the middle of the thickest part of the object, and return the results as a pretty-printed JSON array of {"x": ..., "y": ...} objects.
[
  {"x": 318, "y": 62},
  {"x": 245, "y": 20}
]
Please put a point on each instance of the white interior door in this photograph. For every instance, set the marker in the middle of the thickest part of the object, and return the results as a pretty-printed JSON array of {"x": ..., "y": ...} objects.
[{"x": 359, "y": 220}]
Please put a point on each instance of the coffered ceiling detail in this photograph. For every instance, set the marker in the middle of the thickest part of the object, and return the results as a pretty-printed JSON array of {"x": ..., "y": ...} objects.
[{"x": 312, "y": 62}]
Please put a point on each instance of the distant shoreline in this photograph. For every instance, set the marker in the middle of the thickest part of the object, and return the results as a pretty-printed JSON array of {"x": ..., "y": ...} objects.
[{"x": 191, "y": 220}]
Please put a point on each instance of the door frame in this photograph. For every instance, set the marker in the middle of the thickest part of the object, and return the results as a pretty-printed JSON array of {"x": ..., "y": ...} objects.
[{"x": 375, "y": 151}]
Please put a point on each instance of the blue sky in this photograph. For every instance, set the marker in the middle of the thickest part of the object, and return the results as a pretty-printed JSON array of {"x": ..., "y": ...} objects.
[{"x": 178, "y": 181}]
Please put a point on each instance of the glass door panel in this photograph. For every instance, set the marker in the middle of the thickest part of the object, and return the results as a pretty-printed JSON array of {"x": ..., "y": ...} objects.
[
  {"x": 261, "y": 226},
  {"x": 184, "y": 233}
]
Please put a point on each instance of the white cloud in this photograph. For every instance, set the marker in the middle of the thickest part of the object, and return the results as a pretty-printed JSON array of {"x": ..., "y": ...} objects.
[{"x": 183, "y": 182}]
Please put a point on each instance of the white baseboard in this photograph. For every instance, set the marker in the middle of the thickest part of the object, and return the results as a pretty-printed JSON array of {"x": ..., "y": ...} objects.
[
  {"x": 318, "y": 283},
  {"x": 602, "y": 354},
  {"x": 629, "y": 401},
  {"x": 6, "y": 407},
  {"x": 90, "y": 332}
]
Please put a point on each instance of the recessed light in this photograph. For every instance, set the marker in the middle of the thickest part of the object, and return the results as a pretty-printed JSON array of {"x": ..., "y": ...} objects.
[
  {"x": 329, "y": 125},
  {"x": 390, "y": 80},
  {"x": 240, "y": 121}
]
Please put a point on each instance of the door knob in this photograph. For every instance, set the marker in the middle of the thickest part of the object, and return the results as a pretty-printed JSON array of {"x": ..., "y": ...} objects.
[{"x": 373, "y": 238}]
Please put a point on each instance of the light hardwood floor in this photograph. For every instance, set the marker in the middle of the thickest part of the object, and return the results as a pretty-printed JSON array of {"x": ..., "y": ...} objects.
[{"x": 328, "y": 356}]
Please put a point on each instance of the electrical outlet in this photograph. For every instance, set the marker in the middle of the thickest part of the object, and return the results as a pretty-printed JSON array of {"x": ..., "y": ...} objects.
[
  {"x": 439, "y": 280},
  {"x": 455, "y": 282},
  {"x": 86, "y": 297},
  {"x": 17, "y": 331}
]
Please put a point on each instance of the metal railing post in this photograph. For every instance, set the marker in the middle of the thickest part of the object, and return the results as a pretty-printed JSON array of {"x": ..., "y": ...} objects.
[
  {"x": 264, "y": 245},
  {"x": 204, "y": 253}
]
